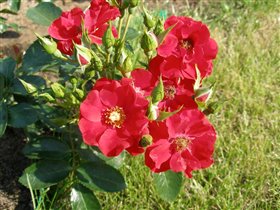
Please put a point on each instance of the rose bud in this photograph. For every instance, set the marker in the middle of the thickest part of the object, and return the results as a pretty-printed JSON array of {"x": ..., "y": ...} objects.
[
  {"x": 203, "y": 94},
  {"x": 108, "y": 39},
  {"x": 148, "y": 20},
  {"x": 149, "y": 42},
  {"x": 146, "y": 140},
  {"x": 49, "y": 45},
  {"x": 84, "y": 55}
]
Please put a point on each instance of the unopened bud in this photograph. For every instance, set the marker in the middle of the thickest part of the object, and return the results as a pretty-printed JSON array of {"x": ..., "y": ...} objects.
[
  {"x": 133, "y": 3},
  {"x": 108, "y": 38},
  {"x": 48, "y": 44},
  {"x": 149, "y": 42},
  {"x": 158, "y": 92},
  {"x": 30, "y": 88},
  {"x": 152, "y": 111},
  {"x": 58, "y": 90},
  {"x": 146, "y": 140},
  {"x": 116, "y": 3},
  {"x": 121, "y": 58},
  {"x": 97, "y": 62},
  {"x": 127, "y": 65},
  {"x": 148, "y": 20},
  {"x": 203, "y": 94},
  {"x": 74, "y": 81},
  {"x": 159, "y": 27},
  {"x": 84, "y": 55},
  {"x": 58, "y": 54},
  {"x": 90, "y": 73}
]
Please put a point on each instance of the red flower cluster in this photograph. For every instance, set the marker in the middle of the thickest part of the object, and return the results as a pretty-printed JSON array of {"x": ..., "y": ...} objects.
[
  {"x": 184, "y": 142},
  {"x": 68, "y": 27},
  {"x": 113, "y": 117},
  {"x": 188, "y": 44},
  {"x": 115, "y": 114}
]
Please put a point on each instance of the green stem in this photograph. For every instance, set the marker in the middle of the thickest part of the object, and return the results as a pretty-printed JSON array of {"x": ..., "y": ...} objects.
[
  {"x": 108, "y": 56},
  {"x": 120, "y": 26},
  {"x": 31, "y": 192},
  {"x": 126, "y": 27},
  {"x": 100, "y": 50}
]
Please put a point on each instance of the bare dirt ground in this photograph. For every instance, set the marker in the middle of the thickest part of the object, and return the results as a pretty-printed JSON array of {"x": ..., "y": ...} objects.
[
  {"x": 26, "y": 34},
  {"x": 12, "y": 163}
]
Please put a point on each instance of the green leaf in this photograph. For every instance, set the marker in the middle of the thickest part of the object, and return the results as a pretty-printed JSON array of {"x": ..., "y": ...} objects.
[
  {"x": 2, "y": 86},
  {"x": 164, "y": 115},
  {"x": 35, "y": 58},
  {"x": 83, "y": 199},
  {"x": 21, "y": 115},
  {"x": 44, "y": 13},
  {"x": 14, "y": 5},
  {"x": 116, "y": 162},
  {"x": 158, "y": 92},
  {"x": 168, "y": 185},
  {"x": 3, "y": 118},
  {"x": 52, "y": 116},
  {"x": 98, "y": 176},
  {"x": 47, "y": 148},
  {"x": 88, "y": 155},
  {"x": 46, "y": 97},
  {"x": 132, "y": 34},
  {"x": 44, "y": 173},
  {"x": 7, "y": 67}
]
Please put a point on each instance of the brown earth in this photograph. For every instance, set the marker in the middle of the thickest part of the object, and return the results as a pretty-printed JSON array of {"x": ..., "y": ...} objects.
[
  {"x": 12, "y": 163},
  {"x": 26, "y": 34}
]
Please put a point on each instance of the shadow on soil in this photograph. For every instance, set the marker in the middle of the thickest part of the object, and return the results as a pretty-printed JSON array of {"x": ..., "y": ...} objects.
[{"x": 12, "y": 164}]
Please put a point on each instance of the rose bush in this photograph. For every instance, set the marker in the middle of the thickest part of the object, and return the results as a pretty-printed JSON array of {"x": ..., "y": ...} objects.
[{"x": 117, "y": 90}]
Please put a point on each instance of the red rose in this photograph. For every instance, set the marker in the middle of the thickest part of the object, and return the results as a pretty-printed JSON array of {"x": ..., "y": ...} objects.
[
  {"x": 97, "y": 18},
  {"x": 66, "y": 29},
  {"x": 112, "y": 119},
  {"x": 143, "y": 81},
  {"x": 172, "y": 67},
  {"x": 177, "y": 93},
  {"x": 189, "y": 41},
  {"x": 186, "y": 145}
]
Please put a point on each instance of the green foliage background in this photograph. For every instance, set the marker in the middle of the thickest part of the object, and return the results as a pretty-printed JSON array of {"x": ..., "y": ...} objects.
[{"x": 247, "y": 157}]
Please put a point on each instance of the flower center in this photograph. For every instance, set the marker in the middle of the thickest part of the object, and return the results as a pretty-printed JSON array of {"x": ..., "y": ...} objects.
[
  {"x": 169, "y": 92},
  {"x": 114, "y": 116},
  {"x": 180, "y": 143},
  {"x": 187, "y": 44}
]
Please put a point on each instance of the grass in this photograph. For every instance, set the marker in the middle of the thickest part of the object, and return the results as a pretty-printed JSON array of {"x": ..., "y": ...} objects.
[{"x": 247, "y": 156}]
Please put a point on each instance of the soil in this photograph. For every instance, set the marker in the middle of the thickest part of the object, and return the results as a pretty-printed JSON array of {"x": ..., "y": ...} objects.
[
  {"x": 12, "y": 163},
  {"x": 26, "y": 34}
]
